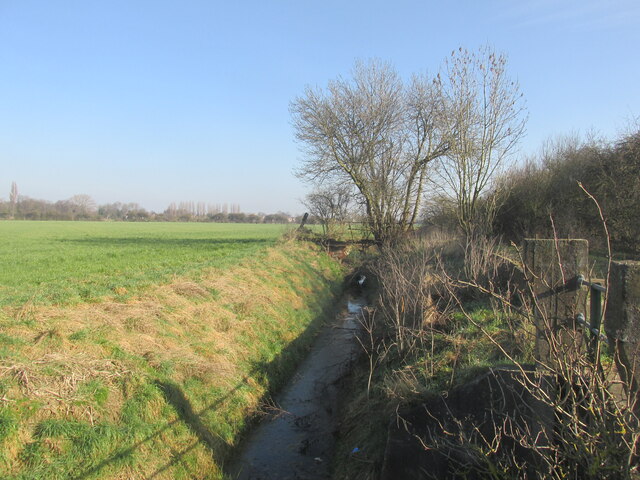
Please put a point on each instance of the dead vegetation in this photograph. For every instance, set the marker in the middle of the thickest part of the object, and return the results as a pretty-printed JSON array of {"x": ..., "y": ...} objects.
[{"x": 449, "y": 357}]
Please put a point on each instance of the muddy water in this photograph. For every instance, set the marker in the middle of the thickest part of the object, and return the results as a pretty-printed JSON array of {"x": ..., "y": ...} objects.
[{"x": 297, "y": 441}]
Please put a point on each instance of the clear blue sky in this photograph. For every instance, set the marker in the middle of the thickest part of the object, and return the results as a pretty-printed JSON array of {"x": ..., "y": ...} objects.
[{"x": 160, "y": 101}]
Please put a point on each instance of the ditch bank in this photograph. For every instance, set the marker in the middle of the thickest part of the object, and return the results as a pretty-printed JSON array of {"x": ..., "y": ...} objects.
[
  {"x": 160, "y": 384},
  {"x": 297, "y": 437}
]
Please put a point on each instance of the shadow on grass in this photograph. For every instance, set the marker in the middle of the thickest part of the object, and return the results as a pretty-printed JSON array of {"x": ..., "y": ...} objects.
[
  {"x": 275, "y": 373},
  {"x": 173, "y": 394}
]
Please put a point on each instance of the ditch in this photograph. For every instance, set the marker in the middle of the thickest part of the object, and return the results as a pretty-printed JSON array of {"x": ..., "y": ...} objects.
[{"x": 296, "y": 439}]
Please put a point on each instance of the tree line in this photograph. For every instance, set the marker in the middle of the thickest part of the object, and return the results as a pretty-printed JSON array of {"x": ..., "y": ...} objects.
[{"x": 83, "y": 207}]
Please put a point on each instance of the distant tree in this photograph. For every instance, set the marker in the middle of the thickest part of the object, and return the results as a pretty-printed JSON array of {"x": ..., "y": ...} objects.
[
  {"x": 33, "y": 209},
  {"x": 253, "y": 218},
  {"x": 330, "y": 206},
  {"x": 136, "y": 213},
  {"x": 123, "y": 211},
  {"x": 201, "y": 209},
  {"x": 63, "y": 210},
  {"x": 220, "y": 217},
  {"x": 109, "y": 211},
  {"x": 237, "y": 217},
  {"x": 279, "y": 217},
  {"x": 171, "y": 212},
  {"x": 212, "y": 209},
  {"x": 13, "y": 199},
  {"x": 82, "y": 206}
]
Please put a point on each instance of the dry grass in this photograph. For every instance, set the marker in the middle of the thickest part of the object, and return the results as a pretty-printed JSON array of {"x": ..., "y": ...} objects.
[{"x": 86, "y": 363}]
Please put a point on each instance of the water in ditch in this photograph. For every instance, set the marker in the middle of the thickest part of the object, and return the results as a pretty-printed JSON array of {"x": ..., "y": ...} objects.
[{"x": 296, "y": 442}]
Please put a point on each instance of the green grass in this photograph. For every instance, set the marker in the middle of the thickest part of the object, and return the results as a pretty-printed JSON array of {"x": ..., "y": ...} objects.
[
  {"x": 73, "y": 262},
  {"x": 161, "y": 385}
]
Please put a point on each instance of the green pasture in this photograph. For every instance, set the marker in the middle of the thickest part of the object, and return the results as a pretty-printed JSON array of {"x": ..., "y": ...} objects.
[{"x": 70, "y": 262}]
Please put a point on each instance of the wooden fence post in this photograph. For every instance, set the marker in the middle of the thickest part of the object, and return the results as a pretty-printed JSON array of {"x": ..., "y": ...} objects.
[
  {"x": 552, "y": 268},
  {"x": 622, "y": 324}
]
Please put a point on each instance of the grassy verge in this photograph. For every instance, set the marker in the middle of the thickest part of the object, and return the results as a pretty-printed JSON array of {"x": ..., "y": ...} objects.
[{"x": 159, "y": 384}]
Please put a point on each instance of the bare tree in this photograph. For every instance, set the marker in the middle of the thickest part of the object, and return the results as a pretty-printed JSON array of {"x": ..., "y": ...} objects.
[
  {"x": 489, "y": 117},
  {"x": 329, "y": 205},
  {"x": 377, "y": 134},
  {"x": 82, "y": 206}
]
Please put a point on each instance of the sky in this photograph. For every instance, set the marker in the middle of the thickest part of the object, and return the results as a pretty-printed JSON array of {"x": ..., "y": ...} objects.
[{"x": 157, "y": 101}]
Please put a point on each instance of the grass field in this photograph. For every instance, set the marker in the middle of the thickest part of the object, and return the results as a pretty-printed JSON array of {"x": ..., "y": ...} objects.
[
  {"x": 184, "y": 331},
  {"x": 71, "y": 262}
]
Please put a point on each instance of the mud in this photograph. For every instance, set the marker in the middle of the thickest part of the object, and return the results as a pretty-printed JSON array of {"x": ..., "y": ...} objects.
[{"x": 297, "y": 441}]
